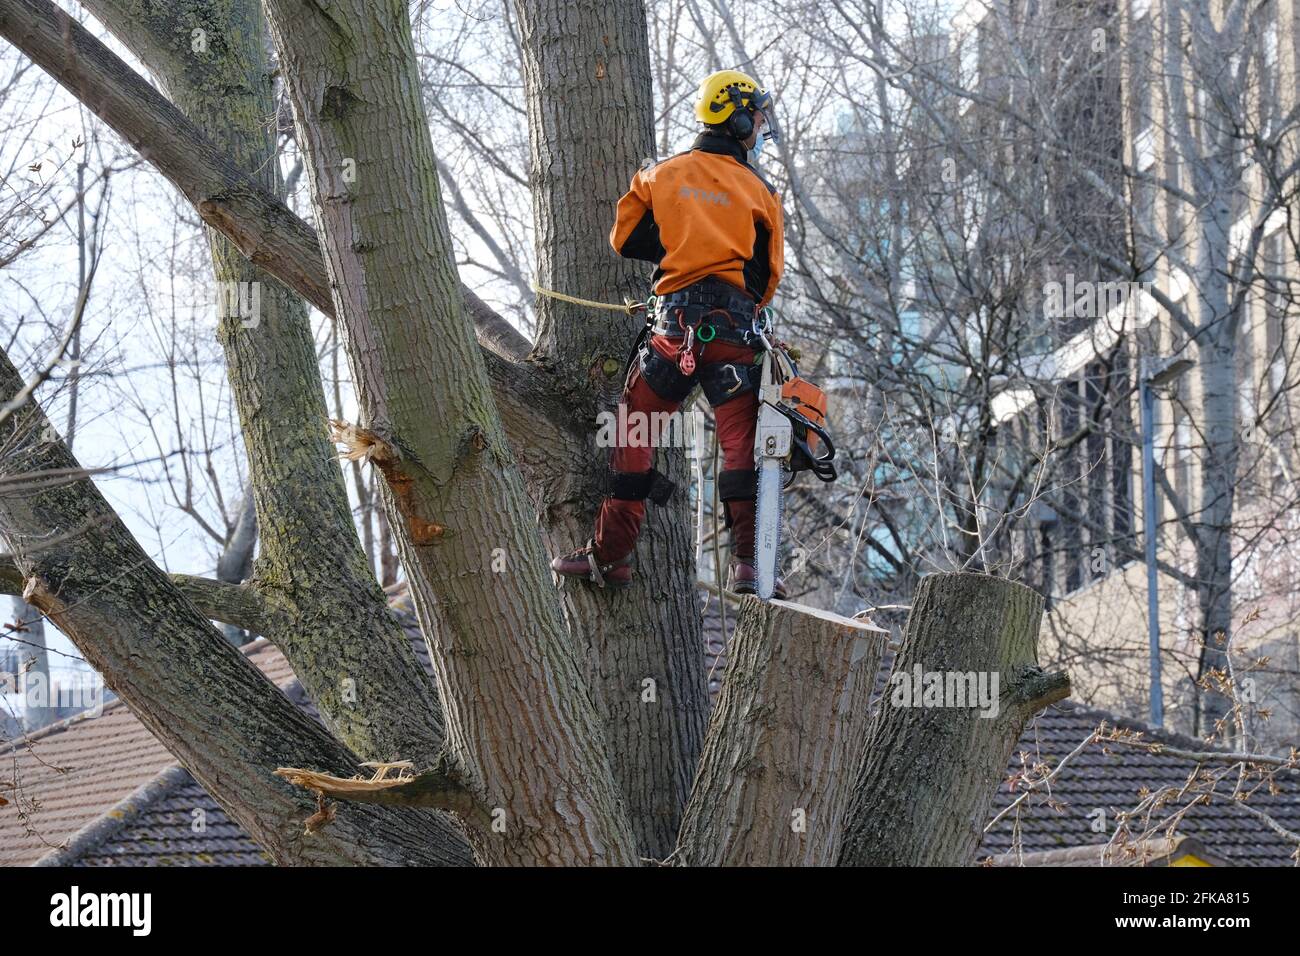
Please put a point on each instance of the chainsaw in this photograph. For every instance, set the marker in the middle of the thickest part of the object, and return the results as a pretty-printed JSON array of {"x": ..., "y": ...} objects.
[{"x": 790, "y": 437}]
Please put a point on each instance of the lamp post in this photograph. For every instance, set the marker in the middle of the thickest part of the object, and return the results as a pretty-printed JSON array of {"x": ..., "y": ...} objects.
[{"x": 1153, "y": 373}]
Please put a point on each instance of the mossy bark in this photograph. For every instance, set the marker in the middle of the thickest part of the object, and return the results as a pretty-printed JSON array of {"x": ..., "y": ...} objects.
[{"x": 196, "y": 693}]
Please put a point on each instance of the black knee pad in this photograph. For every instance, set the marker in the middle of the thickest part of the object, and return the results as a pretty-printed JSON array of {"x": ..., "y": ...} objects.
[
  {"x": 663, "y": 376},
  {"x": 640, "y": 485},
  {"x": 722, "y": 383},
  {"x": 738, "y": 485}
]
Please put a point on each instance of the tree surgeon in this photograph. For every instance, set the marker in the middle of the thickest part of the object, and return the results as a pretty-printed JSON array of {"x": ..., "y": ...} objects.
[{"x": 713, "y": 227}]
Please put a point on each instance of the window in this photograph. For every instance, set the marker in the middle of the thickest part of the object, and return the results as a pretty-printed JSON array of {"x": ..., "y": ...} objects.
[
  {"x": 1269, "y": 98},
  {"x": 1144, "y": 149}
]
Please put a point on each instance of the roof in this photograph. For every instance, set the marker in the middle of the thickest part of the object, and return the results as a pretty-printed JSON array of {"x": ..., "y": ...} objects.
[
  {"x": 1106, "y": 780},
  {"x": 84, "y": 778},
  {"x": 109, "y": 790}
]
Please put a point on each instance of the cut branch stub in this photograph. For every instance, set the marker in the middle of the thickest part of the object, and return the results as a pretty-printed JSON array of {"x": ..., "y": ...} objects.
[
  {"x": 965, "y": 682},
  {"x": 362, "y": 444},
  {"x": 439, "y": 787},
  {"x": 785, "y": 739}
]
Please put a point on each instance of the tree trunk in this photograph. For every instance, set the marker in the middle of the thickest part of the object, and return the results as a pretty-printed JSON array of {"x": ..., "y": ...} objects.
[
  {"x": 933, "y": 763},
  {"x": 35, "y": 667},
  {"x": 198, "y": 695},
  {"x": 354, "y": 660},
  {"x": 1218, "y": 479},
  {"x": 588, "y": 91},
  {"x": 266, "y": 231},
  {"x": 510, "y": 683},
  {"x": 785, "y": 741}
]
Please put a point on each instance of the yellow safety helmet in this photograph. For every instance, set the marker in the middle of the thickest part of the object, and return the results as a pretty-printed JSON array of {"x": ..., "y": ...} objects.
[{"x": 730, "y": 97}]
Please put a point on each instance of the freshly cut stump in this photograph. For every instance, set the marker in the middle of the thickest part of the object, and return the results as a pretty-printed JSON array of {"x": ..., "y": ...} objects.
[{"x": 785, "y": 741}]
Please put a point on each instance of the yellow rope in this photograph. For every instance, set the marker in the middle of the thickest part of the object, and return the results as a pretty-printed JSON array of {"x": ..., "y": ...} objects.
[{"x": 629, "y": 308}]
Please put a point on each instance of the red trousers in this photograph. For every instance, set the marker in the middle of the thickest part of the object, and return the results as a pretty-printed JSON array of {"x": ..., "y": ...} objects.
[{"x": 619, "y": 521}]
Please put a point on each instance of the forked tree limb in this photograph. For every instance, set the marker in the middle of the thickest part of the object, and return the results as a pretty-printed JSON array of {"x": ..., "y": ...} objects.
[
  {"x": 203, "y": 699},
  {"x": 239, "y": 605}
]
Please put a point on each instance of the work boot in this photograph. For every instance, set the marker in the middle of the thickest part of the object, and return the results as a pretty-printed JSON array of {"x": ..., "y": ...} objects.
[
  {"x": 743, "y": 579},
  {"x": 584, "y": 564}
]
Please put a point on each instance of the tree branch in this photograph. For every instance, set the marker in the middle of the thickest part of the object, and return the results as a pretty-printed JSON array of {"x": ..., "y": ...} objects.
[
  {"x": 266, "y": 231},
  {"x": 441, "y": 787},
  {"x": 237, "y": 604}
]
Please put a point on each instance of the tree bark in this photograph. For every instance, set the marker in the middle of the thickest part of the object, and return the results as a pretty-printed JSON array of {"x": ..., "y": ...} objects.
[
  {"x": 589, "y": 98},
  {"x": 331, "y": 618},
  {"x": 208, "y": 705},
  {"x": 510, "y": 683},
  {"x": 353, "y": 658},
  {"x": 924, "y": 790},
  {"x": 785, "y": 741},
  {"x": 1214, "y": 512}
]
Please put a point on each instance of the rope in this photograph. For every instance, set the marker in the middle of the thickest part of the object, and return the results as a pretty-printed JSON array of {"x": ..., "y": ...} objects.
[{"x": 628, "y": 308}]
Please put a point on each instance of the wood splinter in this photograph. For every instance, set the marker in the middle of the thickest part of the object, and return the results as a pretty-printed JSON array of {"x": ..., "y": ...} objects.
[
  {"x": 362, "y": 444},
  {"x": 440, "y": 786}
]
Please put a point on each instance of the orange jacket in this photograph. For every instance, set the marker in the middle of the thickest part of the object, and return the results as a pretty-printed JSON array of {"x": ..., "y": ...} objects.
[{"x": 704, "y": 213}]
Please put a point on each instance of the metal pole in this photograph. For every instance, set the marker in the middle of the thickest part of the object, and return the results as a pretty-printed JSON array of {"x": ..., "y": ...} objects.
[{"x": 1147, "y": 401}]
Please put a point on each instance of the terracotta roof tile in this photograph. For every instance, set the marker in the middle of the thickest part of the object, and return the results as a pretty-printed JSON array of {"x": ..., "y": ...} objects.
[{"x": 69, "y": 775}]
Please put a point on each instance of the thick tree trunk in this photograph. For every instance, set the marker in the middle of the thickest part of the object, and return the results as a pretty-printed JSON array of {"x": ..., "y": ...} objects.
[
  {"x": 198, "y": 695},
  {"x": 785, "y": 741},
  {"x": 521, "y": 729},
  {"x": 935, "y": 757},
  {"x": 353, "y": 658},
  {"x": 588, "y": 91}
]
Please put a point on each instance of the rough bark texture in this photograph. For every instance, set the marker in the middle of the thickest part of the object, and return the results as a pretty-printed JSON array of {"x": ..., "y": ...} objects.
[
  {"x": 924, "y": 790},
  {"x": 521, "y": 728},
  {"x": 209, "y": 706},
  {"x": 1214, "y": 545},
  {"x": 785, "y": 741},
  {"x": 331, "y": 618},
  {"x": 588, "y": 92}
]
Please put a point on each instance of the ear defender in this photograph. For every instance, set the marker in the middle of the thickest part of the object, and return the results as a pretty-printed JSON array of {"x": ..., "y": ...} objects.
[{"x": 741, "y": 122}]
